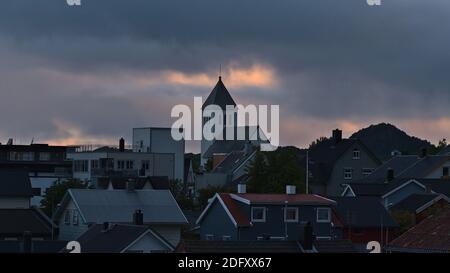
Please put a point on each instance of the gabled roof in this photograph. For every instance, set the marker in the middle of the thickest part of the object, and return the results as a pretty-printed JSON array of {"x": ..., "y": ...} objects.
[
  {"x": 231, "y": 208},
  {"x": 15, "y": 183},
  {"x": 415, "y": 203},
  {"x": 425, "y": 166},
  {"x": 117, "y": 238},
  {"x": 363, "y": 212},
  {"x": 430, "y": 235},
  {"x": 219, "y": 96},
  {"x": 398, "y": 164},
  {"x": 118, "y": 206},
  {"x": 324, "y": 155},
  {"x": 120, "y": 183},
  {"x": 380, "y": 189},
  {"x": 437, "y": 185},
  {"x": 445, "y": 151},
  {"x": 233, "y": 161},
  {"x": 14, "y": 222},
  {"x": 224, "y": 147},
  {"x": 281, "y": 199}
]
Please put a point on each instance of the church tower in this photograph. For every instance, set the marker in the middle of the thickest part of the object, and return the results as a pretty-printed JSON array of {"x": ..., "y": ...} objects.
[{"x": 221, "y": 97}]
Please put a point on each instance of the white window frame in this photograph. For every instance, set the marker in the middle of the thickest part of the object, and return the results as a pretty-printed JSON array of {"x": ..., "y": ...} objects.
[
  {"x": 345, "y": 173},
  {"x": 358, "y": 154},
  {"x": 264, "y": 215},
  {"x": 322, "y": 220},
  {"x": 323, "y": 238},
  {"x": 209, "y": 237},
  {"x": 290, "y": 220},
  {"x": 226, "y": 238}
]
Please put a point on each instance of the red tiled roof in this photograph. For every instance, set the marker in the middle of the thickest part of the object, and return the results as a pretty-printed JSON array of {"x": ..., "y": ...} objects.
[
  {"x": 433, "y": 233},
  {"x": 233, "y": 208},
  {"x": 282, "y": 198}
]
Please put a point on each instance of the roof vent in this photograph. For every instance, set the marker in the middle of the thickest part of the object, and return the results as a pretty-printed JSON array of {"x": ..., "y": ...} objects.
[
  {"x": 242, "y": 188},
  {"x": 290, "y": 189}
]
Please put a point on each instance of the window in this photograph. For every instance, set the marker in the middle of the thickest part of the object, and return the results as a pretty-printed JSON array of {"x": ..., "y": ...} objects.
[
  {"x": 226, "y": 238},
  {"x": 258, "y": 214},
  {"x": 129, "y": 164},
  {"x": 80, "y": 166},
  {"x": 323, "y": 215},
  {"x": 356, "y": 154},
  {"x": 323, "y": 238},
  {"x": 95, "y": 164},
  {"x": 209, "y": 237},
  {"x": 291, "y": 215},
  {"x": 146, "y": 164},
  {"x": 120, "y": 164},
  {"x": 67, "y": 217},
  {"x": 445, "y": 171},
  {"x": 348, "y": 173},
  {"x": 367, "y": 171},
  {"x": 44, "y": 156},
  {"x": 21, "y": 156},
  {"x": 75, "y": 218}
]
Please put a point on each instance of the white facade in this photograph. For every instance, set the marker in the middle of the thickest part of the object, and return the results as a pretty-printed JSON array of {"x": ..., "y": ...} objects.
[
  {"x": 159, "y": 140},
  {"x": 88, "y": 165}
]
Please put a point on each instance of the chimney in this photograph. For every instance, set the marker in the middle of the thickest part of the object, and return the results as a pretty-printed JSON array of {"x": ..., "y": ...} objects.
[
  {"x": 27, "y": 242},
  {"x": 130, "y": 185},
  {"x": 138, "y": 217},
  {"x": 290, "y": 189},
  {"x": 248, "y": 148},
  {"x": 423, "y": 152},
  {"x": 105, "y": 226},
  {"x": 242, "y": 188},
  {"x": 390, "y": 175},
  {"x": 337, "y": 136},
  {"x": 122, "y": 144},
  {"x": 308, "y": 237}
]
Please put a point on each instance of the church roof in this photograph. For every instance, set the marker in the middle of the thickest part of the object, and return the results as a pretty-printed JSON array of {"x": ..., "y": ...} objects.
[{"x": 219, "y": 96}]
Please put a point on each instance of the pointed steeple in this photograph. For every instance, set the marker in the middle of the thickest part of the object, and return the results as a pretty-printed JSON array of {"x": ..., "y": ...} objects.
[{"x": 219, "y": 96}]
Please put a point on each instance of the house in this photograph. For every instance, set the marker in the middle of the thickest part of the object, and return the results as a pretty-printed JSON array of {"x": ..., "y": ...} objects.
[
  {"x": 265, "y": 246},
  {"x": 336, "y": 161},
  {"x": 159, "y": 140},
  {"x": 28, "y": 245},
  {"x": 431, "y": 235},
  {"x": 139, "y": 183},
  {"x": 389, "y": 193},
  {"x": 228, "y": 170},
  {"x": 248, "y": 216},
  {"x": 82, "y": 208},
  {"x": 90, "y": 163},
  {"x": 123, "y": 238},
  {"x": 421, "y": 205},
  {"x": 15, "y": 189},
  {"x": 44, "y": 164},
  {"x": 16, "y": 214},
  {"x": 364, "y": 219}
]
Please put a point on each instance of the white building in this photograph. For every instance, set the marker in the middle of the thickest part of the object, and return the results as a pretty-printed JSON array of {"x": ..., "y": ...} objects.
[
  {"x": 107, "y": 162},
  {"x": 159, "y": 140}
]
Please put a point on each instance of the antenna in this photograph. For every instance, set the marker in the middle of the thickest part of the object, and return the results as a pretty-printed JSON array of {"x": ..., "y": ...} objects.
[{"x": 220, "y": 71}]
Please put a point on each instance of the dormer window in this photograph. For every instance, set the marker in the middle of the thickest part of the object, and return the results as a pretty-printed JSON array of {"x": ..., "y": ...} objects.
[
  {"x": 258, "y": 214},
  {"x": 356, "y": 154}
]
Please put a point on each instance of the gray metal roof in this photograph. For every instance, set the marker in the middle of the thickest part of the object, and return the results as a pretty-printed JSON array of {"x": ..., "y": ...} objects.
[
  {"x": 219, "y": 96},
  {"x": 118, "y": 206},
  {"x": 415, "y": 201},
  {"x": 115, "y": 239}
]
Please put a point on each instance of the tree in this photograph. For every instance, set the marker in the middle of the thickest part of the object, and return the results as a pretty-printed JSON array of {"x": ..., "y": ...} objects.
[
  {"x": 178, "y": 191},
  {"x": 257, "y": 174},
  {"x": 270, "y": 172},
  {"x": 208, "y": 192},
  {"x": 54, "y": 194}
]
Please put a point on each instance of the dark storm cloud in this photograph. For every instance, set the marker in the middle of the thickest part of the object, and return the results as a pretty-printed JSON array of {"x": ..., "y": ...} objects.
[{"x": 333, "y": 59}]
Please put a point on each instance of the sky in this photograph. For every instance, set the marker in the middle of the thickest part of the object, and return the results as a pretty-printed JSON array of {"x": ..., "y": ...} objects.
[{"x": 89, "y": 74}]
